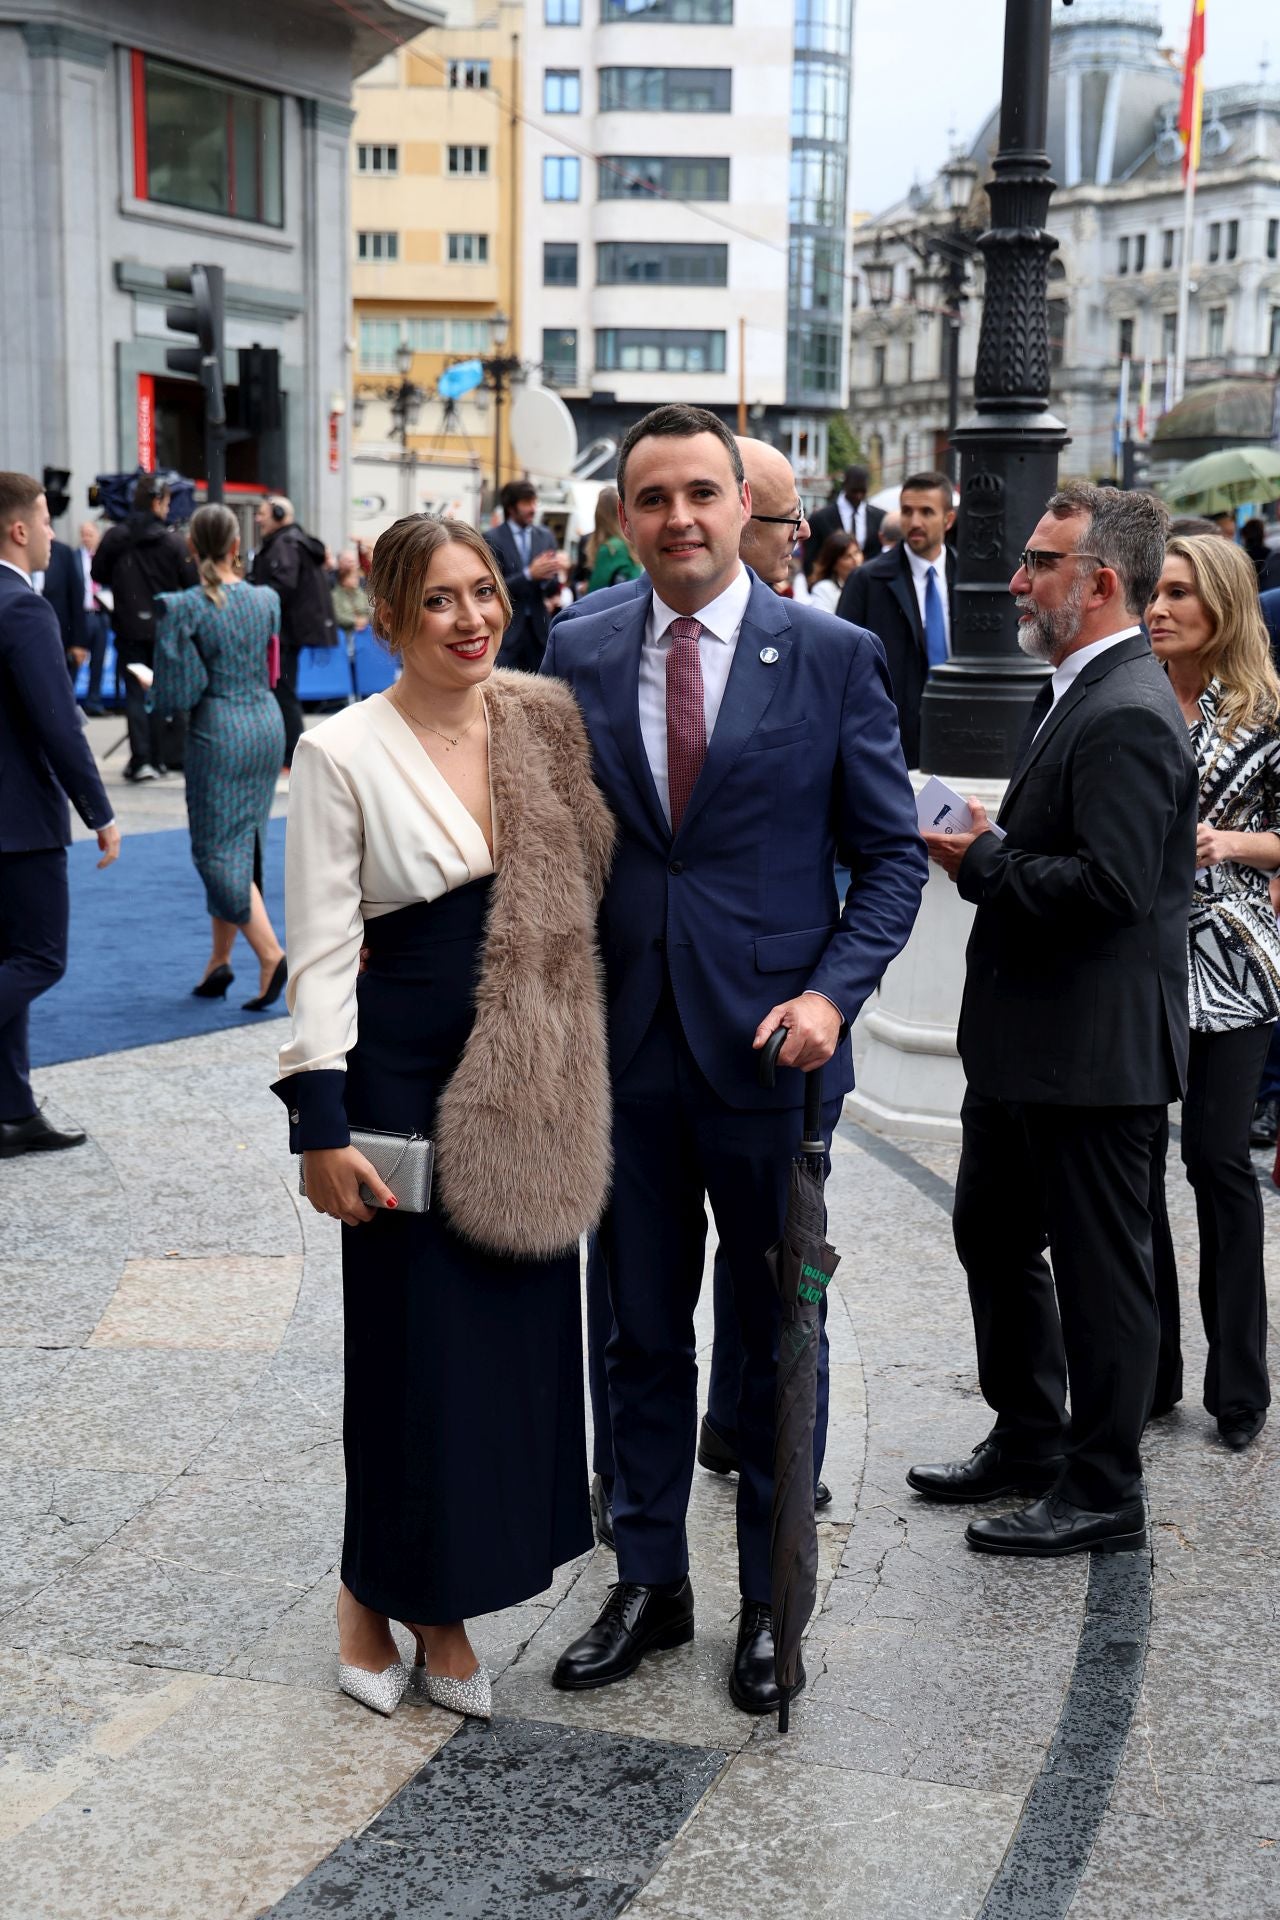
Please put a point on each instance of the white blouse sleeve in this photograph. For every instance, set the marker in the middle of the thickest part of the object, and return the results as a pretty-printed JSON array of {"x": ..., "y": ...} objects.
[{"x": 324, "y": 926}]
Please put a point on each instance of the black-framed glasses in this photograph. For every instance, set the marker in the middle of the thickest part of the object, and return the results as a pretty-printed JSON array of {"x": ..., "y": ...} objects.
[
  {"x": 795, "y": 520},
  {"x": 1032, "y": 557}
]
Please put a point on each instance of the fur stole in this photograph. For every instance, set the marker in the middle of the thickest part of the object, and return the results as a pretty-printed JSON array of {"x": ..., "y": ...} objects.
[{"x": 523, "y": 1127}]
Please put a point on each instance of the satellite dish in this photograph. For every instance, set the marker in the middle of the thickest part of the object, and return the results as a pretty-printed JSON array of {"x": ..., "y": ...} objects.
[
  {"x": 463, "y": 377},
  {"x": 543, "y": 436}
]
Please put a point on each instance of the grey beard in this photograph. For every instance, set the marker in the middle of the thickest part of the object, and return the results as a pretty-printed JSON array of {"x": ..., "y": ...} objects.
[{"x": 1046, "y": 634}]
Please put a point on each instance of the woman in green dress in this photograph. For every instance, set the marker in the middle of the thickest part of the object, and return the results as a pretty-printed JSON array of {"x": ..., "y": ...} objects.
[
  {"x": 609, "y": 557},
  {"x": 211, "y": 659}
]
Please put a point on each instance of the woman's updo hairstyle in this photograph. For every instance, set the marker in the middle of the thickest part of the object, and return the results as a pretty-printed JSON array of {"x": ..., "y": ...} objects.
[
  {"x": 401, "y": 561},
  {"x": 214, "y": 531}
]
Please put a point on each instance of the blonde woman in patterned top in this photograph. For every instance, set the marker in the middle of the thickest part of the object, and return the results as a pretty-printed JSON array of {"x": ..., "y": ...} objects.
[{"x": 1206, "y": 626}]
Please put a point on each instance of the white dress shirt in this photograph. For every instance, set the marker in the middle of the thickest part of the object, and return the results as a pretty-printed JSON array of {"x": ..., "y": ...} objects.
[
  {"x": 853, "y": 519},
  {"x": 920, "y": 570},
  {"x": 1075, "y": 662},
  {"x": 721, "y": 620},
  {"x": 373, "y": 825},
  {"x": 86, "y": 569}
]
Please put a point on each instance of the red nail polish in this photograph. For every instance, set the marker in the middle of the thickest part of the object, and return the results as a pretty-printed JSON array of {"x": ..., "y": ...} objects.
[{"x": 393, "y": 1202}]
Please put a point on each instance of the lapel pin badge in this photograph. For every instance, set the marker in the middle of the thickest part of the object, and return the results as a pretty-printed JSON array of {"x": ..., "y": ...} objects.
[{"x": 769, "y": 655}]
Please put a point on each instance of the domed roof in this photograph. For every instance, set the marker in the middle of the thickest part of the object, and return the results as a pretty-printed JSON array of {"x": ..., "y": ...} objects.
[
  {"x": 1223, "y": 413},
  {"x": 1107, "y": 85}
]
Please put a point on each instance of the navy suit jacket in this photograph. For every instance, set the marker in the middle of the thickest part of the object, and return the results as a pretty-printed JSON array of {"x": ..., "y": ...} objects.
[
  {"x": 526, "y": 637},
  {"x": 604, "y": 597},
  {"x": 803, "y": 768},
  {"x": 44, "y": 756},
  {"x": 1270, "y": 605},
  {"x": 64, "y": 590}
]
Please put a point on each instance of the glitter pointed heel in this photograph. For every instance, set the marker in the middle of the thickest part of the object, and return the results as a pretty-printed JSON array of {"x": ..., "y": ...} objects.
[{"x": 472, "y": 1697}]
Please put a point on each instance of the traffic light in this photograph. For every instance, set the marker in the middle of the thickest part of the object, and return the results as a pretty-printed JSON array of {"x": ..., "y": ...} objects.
[
  {"x": 57, "y": 490},
  {"x": 202, "y": 315},
  {"x": 260, "y": 410}
]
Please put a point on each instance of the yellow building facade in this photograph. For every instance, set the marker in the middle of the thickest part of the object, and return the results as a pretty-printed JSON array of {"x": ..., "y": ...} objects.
[{"x": 434, "y": 201}]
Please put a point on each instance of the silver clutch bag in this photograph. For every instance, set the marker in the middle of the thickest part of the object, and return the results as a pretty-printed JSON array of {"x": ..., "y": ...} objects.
[{"x": 403, "y": 1160}]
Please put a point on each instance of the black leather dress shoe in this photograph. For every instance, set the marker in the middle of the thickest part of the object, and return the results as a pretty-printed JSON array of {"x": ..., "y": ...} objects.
[
  {"x": 1051, "y": 1527},
  {"x": 988, "y": 1473},
  {"x": 1236, "y": 1430},
  {"x": 602, "y": 1512},
  {"x": 34, "y": 1135},
  {"x": 752, "y": 1686},
  {"x": 633, "y": 1621},
  {"x": 821, "y": 1496},
  {"x": 1262, "y": 1128},
  {"x": 715, "y": 1453}
]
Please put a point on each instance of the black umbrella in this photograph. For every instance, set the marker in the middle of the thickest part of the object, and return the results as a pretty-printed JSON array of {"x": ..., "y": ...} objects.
[{"x": 802, "y": 1264}]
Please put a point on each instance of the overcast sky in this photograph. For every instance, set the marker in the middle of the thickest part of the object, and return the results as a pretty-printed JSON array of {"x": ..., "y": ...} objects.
[{"x": 925, "y": 67}]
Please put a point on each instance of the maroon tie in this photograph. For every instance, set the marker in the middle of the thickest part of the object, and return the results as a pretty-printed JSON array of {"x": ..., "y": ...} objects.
[{"x": 686, "y": 716}]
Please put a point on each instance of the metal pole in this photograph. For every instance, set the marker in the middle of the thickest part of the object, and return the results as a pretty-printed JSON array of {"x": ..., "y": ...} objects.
[
  {"x": 1184, "y": 285},
  {"x": 975, "y": 704},
  {"x": 954, "y": 284},
  {"x": 497, "y": 434},
  {"x": 742, "y": 375}
]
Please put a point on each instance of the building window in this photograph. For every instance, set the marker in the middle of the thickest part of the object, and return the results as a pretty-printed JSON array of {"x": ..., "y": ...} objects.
[
  {"x": 1126, "y": 339},
  {"x": 695, "y": 13},
  {"x": 563, "y": 13},
  {"x": 1273, "y": 239},
  {"x": 1139, "y": 252},
  {"x": 817, "y": 188},
  {"x": 1169, "y": 247},
  {"x": 1274, "y": 346},
  {"x": 1122, "y": 264},
  {"x": 879, "y": 365},
  {"x": 562, "y": 90},
  {"x": 468, "y": 160},
  {"x": 377, "y": 159},
  {"x": 202, "y": 144},
  {"x": 1215, "y": 240},
  {"x": 634, "y": 177},
  {"x": 560, "y": 356},
  {"x": 659, "y": 350},
  {"x": 561, "y": 176},
  {"x": 824, "y": 26},
  {"x": 819, "y": 101},
  {"x": 1215, "y": 333},
  {"x": 1169, "y": 336},
  {"x": 468, "y": 73},
  {"x": 469, "y": 249},
  {"x": 1233, "y": 239},
  {"x": 377, "y": 246},
  {"x": 559, "y": 263},
  {"x": 379, "y": 340},
  {"x": 665, "y": 89},
  {"x": 910, "y": 370},
  {"x": 817, "y": 275},
  {"x": 425, "y": 335},
  {"x": 660, "y": 263},
  {"x": 468, "y": 336}
]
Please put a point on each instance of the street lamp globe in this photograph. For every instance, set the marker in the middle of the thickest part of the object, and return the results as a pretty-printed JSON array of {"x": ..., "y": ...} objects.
[
  {"x": 500, "y": 327},
  {"x": 960, "y": 176},
  {"x": 357, "y": 410},
  {"x": 879, "y": 281},
  {"x": 404, "y": 358}
]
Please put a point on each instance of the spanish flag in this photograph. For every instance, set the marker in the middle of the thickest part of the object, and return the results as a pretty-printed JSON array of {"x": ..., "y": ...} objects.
[{"x": 1191, "y": 112}]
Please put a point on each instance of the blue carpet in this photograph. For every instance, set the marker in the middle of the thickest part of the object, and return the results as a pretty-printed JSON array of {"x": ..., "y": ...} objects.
[{"x": 139, "y": 942}]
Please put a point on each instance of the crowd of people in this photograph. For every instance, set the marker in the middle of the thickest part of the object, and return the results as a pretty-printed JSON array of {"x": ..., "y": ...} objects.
[{"x": 550, "y": 894}]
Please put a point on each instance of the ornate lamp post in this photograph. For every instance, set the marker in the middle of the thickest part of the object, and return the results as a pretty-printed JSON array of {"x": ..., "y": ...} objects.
[
  {"x": 499, "y": 371},
  {"x": 975, "y": 705},
  {"x": 404, "y": 398}
]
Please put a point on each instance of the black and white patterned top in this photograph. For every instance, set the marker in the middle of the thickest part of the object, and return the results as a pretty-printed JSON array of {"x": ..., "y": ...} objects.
[{"x": 1233, "y": 948}]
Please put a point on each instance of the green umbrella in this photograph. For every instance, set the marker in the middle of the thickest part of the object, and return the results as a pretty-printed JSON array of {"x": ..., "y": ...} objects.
[{"x": 1232, "y": 477}]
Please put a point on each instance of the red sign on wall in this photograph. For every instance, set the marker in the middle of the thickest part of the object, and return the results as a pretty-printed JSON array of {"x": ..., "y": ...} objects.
[
  {"x": 335, "y": 458},
  {"x": 146, "y": 422}
]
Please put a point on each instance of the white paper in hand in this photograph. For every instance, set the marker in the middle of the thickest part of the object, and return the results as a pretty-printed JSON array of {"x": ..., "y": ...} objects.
[{"x": 940, "y": 809}]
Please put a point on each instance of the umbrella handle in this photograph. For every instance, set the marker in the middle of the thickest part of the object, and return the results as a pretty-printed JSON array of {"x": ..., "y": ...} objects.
[
  {"x": 767, "y": 1066},
  {"x": 767, "y": 1070}
]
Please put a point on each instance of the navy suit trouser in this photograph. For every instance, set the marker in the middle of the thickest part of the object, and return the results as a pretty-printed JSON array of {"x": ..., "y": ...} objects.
[
  {"x": 676, "y": 1146},
  {"x": 33, "y": 958}
]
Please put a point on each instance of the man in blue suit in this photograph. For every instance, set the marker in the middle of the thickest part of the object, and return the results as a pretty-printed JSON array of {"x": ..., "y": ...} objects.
[
  {"x": 45, "y": 758},
  {"x": 744, "y": 745}
]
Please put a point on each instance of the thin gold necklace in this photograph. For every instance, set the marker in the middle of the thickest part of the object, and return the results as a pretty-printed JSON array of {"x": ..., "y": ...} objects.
[{"x": 451, "y": 738}]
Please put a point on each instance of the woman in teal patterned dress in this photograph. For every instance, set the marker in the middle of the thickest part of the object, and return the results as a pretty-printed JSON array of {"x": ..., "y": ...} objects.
[{"x": 211, "y": 659}]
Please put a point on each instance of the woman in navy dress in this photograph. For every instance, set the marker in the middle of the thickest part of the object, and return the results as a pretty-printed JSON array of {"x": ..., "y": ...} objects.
[
  {"x": 211, "y": 659},
  {"x": 451, "y": 829}
]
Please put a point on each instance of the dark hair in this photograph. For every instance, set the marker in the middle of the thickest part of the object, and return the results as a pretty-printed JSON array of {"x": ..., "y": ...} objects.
[
  {"x": 401, "y": 561},
  {"x": 147, "y": 489},
  {"x": 833, "y": 547},
  {"x": 1188, "y": 524},
  {"x": 1124, "y": 531},
  {"x": 931, "y": 481},
  {"x": 18, "y": 494},
  {"x": 679, "y": 422},
  {"x": 514, "y": 492},
  {"x": 857, "y": 477}
]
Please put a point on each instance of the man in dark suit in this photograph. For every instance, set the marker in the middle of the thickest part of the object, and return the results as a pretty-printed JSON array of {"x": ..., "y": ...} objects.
[
  {"x": 62, "y": 585},
  {"x": 530, "y": 567},
  {"x": 1074, "y": 1035},
  {"x": 135, "y": 561},
  {"x": 743, "y": 743},
  {"x": 849, "y": 512},
  {"x": 45, "y": 759},
  {"x": 906, "y": 597}
]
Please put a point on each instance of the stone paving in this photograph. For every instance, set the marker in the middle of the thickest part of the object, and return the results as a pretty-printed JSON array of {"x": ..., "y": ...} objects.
[{"x": 174, "y": 1744}]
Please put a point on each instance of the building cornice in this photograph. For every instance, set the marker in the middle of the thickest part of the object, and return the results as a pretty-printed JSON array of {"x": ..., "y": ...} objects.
[
  {"x": 49, "y": 40},
  {"x": 242, "y": 299}
]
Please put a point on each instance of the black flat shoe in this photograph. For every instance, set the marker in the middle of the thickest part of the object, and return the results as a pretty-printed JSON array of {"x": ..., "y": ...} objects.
[
  {"x": 214, "y": 985},
  {"x": 1052, "y": 1527},
  {"x": 602, "y": 1513},
  {"x": 752, "y": 1686},
  {"x": 715, "y": 1453},
  {"x": 34, "y": 1135},
  {"x": 821, "y": 1496},
  {"x": 1238, "y": 1430},
  {"x": 987, "y": 1474},
  {"x": 274, "y": 989},
  {"x": 633, "y": 1621},
  {"x": 1263, "y": 1126}
]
